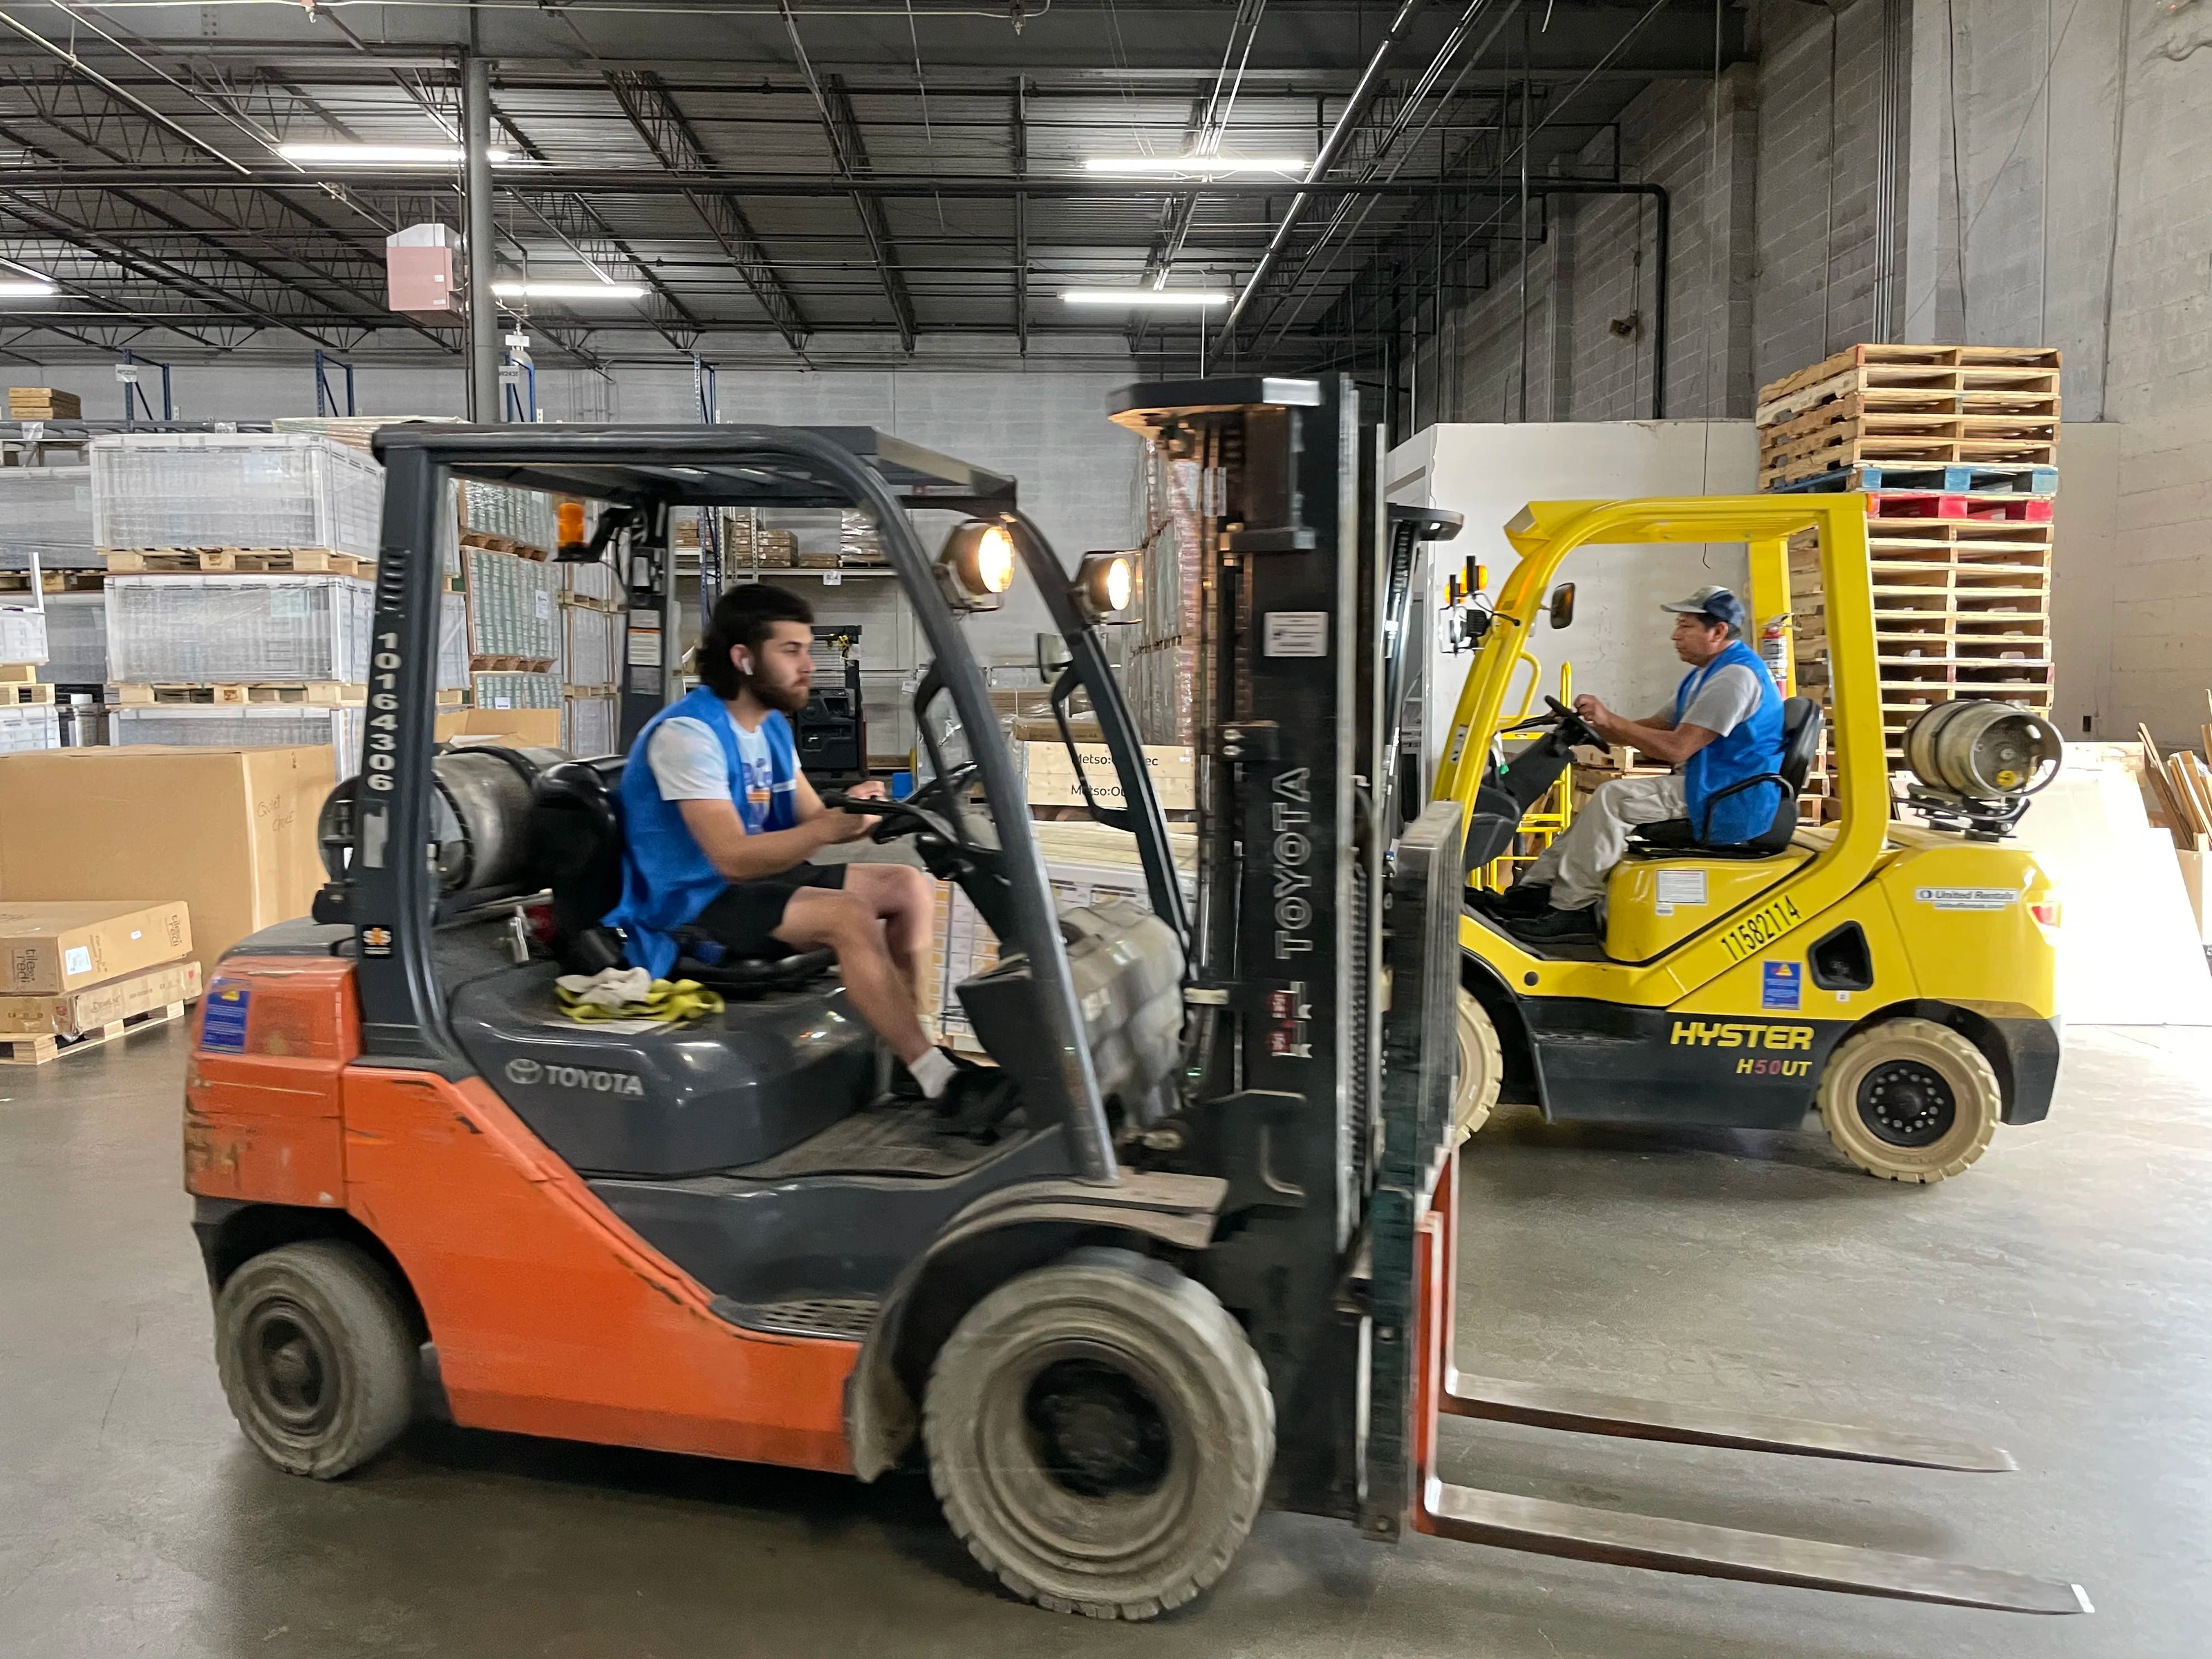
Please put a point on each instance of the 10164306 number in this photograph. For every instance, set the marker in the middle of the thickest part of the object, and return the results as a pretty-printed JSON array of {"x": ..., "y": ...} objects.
[{"x": 1760, "y": 929}]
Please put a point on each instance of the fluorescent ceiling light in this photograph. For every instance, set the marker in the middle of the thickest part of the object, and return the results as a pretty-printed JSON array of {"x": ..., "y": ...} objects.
[
  {"x": 1200, "y": 166},
  {"x": 424, "y": 155},
  {"x": 1199, "y": 297},
  {"x": 569, "y": 291},
  {"x": 19, "y": 290}
]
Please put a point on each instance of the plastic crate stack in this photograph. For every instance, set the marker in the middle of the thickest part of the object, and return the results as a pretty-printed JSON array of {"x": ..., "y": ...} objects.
[
  {"x": 1954, "y": 450},
  {"x": 238, "y": 598}
]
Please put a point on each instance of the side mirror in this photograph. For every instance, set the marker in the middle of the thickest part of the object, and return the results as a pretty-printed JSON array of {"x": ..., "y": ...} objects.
[{"x": 1563, "y": 605}]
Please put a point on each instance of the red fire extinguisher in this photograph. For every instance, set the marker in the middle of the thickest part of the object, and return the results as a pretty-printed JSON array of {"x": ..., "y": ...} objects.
[{"x": 1774, "y": 649}]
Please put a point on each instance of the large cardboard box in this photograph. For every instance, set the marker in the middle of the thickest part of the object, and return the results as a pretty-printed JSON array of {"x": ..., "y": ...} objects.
[
  {"x": 47, "y": 949},
  {"x": 73, "y": 1013},
  {"x": 230, "y": 831},
  {"x": 1053, "y": 782}
]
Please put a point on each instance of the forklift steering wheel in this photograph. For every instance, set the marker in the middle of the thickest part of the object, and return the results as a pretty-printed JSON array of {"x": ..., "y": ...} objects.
[
  {"x": 1572, "y": 727},
  {"x": 898, "y": 817}
]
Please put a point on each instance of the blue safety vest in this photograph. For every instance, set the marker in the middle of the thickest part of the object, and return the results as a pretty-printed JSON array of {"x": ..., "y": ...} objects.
[
  {"x": 666, "y": 879},
  {"x": 1753, "y": 749}
]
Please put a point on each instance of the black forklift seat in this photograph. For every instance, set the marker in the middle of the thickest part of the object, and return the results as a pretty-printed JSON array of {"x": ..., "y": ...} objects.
[
  {"x": 1800, "y": 742},
  {"x": 576, "y": 843}
]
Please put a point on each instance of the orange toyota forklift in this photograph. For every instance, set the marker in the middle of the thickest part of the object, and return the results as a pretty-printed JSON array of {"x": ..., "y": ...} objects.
[{"x": 1205, "y": 1267}]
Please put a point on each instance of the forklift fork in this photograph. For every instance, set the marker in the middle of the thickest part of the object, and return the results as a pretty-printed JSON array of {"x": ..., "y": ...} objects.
[{"x": 1541, "y": 1527}]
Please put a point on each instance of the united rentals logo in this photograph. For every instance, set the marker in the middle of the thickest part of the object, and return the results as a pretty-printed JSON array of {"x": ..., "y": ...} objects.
[{"x": 526, "y": 1073}]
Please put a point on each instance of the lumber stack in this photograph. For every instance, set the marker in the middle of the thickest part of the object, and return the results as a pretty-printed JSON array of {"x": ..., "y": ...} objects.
[
  {"x": 1954, "y": 450},
  {"x": 42, "y": 403},
  {"x": 2181, "y": 785}
]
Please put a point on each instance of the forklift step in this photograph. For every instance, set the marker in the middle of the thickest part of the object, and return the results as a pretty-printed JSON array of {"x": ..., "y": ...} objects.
[
  {"x": 1543, "y": 1528},
  {"x": 1584, "y": 1412}
]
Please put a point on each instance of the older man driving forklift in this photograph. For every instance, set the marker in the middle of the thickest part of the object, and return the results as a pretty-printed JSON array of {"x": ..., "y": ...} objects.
[{"x": 1725, "y": 726}]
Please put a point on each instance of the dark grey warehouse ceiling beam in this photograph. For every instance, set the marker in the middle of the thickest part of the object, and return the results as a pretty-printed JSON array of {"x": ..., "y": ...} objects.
[{"x": 676, "y": 147}]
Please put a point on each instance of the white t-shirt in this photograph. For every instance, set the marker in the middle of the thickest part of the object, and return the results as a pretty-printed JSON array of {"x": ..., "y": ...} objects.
[{"x": 688, "y": 764}]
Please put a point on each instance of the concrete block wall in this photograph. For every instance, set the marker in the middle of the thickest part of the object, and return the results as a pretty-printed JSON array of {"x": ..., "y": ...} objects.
[{"x": 1818, "y": 95}]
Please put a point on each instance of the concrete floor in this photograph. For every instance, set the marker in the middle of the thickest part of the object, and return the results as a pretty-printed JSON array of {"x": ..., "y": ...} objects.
[{"x": 2058, "y": 1300}]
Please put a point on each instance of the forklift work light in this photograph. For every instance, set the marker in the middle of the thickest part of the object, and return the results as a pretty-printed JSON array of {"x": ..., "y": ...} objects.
[
  {"x": 980, "y": 557},
  {"x": 1104, "y": 584}
]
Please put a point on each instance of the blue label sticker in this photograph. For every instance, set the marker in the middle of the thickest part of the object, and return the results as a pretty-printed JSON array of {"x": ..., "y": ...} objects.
[
  {"x": 1781, "y": 984},
  {"x": 222, "y": 1026}
]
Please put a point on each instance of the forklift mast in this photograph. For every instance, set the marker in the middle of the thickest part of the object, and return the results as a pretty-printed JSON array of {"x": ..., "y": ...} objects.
[{"x": 1285, "y": 1076}]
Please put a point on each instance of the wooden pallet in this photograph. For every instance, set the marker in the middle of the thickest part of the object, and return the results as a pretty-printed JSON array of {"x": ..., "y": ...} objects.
[
  {"x": 18, "y": 673},
  {"x": 1916, "y": 387},
  {"x": 242, "y": 560},
  {"x": 499, "y": 665},
  {"x": 1932, "y": 452},
  {"x": 1901, "y": 403},
  {"x": 53, "y": 581},
  {"x": 15, "y": 694},
  {"x": 1993, "y": 505},
  {"x": 478, "y": 538},
  {"x": 318, "y": 694},
  {"x": 1835, "y": 423},
  {"x": 587, "y": 602},
  {"x": 44, "y": 1050},
  {"x": 1925, "y": 357},
  {"x": 1938, "y": 478}
]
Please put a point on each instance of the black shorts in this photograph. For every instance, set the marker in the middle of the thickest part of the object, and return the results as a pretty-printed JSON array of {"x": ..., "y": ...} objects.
[{"x": 742, "y": 920}]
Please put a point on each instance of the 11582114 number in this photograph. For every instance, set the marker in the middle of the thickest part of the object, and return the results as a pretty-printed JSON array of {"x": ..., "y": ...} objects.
[{"x": 1758, "y": 931}]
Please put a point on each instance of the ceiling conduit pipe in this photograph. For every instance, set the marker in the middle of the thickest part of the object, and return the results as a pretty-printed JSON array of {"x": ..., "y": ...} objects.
[{"x": 1347, "y": 122}]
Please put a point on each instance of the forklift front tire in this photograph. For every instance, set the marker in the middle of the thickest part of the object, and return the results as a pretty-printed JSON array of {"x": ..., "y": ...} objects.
[
  {"x": 1481, "y": 1066},
  {"x": 1909, "y": 1100},
  {"x": 316, "y": 1357},
  {"x": 1100, "y": 1434}
]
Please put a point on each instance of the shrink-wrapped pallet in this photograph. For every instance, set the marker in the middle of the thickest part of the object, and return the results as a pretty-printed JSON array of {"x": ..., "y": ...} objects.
[
  {"x": 203, "y": 629},
  {"x": 46, "y": 510},
  {"x": 195, "y": 489},
  {"x": 255, "y": 726}
]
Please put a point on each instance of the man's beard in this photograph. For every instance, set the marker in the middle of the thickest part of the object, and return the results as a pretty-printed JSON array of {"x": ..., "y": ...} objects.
[{"x": 788, "y": 698}]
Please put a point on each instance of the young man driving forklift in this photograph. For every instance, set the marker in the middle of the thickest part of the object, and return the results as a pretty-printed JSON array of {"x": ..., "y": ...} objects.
[
  {"x": 719, "y": 825},
  {"x": 1725, "y": 726}
]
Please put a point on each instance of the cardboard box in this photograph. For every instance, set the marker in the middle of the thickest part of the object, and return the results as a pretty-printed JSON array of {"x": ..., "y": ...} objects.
[
  {"x": 1052, "y": 781},
  {"x": 230, "y": 831},
  {"x": 49, "y": 949},
  {"x": 73, "y": 1013},
  {"x": 509, "y": 728}
]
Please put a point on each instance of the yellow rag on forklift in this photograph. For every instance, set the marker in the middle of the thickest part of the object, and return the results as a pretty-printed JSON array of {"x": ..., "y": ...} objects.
[{"x": 666, "y": 1002}]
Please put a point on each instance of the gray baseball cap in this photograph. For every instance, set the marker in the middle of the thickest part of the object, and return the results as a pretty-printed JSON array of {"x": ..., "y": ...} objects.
[{"x": 1714, "y": 604}]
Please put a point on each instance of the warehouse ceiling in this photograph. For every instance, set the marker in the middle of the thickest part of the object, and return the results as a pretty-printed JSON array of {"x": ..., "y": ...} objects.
[{"x": 823, "y": 183}]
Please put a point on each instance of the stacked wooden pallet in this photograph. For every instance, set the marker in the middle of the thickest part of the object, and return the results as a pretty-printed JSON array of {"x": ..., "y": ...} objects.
[
  {"x": 1910, "y": 406},
  {"x": 1954, "y": 450}
]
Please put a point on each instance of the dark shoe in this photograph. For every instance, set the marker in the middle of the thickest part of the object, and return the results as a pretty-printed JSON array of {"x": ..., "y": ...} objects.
[
  {"x": 902, "y": 1085},
  {"x": 975, "y": 1102},
  {"x": 1558, "y": 925},
  {"x": 1525, "y": 898}
]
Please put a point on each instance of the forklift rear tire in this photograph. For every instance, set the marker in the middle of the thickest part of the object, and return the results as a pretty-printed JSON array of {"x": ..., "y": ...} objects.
[
  {"x": 1909, "y": 1100},
  {"x": 1481, "y": 1066},
  {"x": 316, "y": 1357},
  {"x": 1100, "y": 1434}
]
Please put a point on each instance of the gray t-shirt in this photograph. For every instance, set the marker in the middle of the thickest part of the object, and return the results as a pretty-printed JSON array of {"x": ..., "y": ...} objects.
[
  {"x": 688, "y": 762},
  {"x": 1729, "y": 696}
]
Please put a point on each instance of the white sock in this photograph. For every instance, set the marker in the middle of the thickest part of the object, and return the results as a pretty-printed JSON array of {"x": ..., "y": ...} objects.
[{"x": 934, "y": 1071}]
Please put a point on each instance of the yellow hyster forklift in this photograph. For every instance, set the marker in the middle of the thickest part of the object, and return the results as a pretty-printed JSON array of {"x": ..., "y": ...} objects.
[
  {"x": 1900, "y": 977},
  {"x": 1205, "y": 1268}
]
